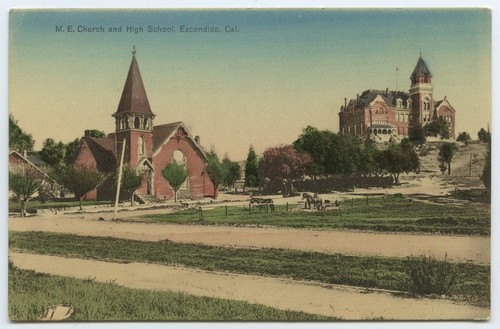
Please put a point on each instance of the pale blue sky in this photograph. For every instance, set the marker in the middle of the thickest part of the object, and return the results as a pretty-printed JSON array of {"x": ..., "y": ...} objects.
[{"x": 282, "y": 71}]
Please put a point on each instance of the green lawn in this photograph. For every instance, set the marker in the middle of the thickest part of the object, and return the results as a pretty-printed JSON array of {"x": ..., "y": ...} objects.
[
  {"x": 30, "y": 293},
  {"x": 390, "y": 214},
  {"x": 35, "y": 204},
  {"x": 473, "y": 281}
]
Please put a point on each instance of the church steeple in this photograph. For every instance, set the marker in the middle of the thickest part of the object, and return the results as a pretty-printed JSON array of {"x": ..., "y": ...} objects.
[
  {"x": 134, "y": 98},
  {"x": 134, "y": 118}
]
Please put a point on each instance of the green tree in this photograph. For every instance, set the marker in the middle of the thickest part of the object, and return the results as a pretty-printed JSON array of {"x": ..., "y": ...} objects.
[
  {"x": 96, "y": 133},
  {"x": 215, "y": 169},
  {"x": 18, "y": 139},
  {"x": 314, "y": 142},
  {"x": 464, "y": 137},
  {"x": 446, "y": 153},
  {"x": 417, "y": 135},
  {"x": 131, "y": 181},
  {"x": 175, "y": 174},
  {"x": 400, "y": 158},
  {"x": 251, "y": 169},
  {"x": 232, "y": 172},
  {"x": 52, "y": 153},
  {"x": 71, "y": 152},
  {"x": 438, "y": 126},
  {"x": 24, "y": 185},
  {"x": 331, "y": 153},
  {"x": 484, "y": 136},
  {"x": 78, "y": 179},
  {"x": 368, "y": 153}
]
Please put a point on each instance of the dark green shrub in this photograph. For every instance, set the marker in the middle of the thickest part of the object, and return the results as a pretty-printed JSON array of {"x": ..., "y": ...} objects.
[{"x": 431, "y": 276}]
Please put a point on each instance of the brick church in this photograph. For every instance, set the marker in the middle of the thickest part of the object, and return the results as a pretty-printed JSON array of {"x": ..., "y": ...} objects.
[
  {"x": 383, "y": 114},
  {"x": 148, "y": 149}
]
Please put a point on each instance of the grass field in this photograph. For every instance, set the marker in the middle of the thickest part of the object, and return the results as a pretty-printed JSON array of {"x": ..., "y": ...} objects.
[
  {"x": 35, "y": 204},
  {"x": 30, "y": 293},
  {"x": 390, "y": 214},
  {"x": 472, "y": 285}
]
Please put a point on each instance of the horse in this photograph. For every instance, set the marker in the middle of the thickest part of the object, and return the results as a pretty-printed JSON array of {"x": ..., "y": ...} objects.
[
  {"x": 261, "y": 202},
  {"x": 315, "y": 200}
]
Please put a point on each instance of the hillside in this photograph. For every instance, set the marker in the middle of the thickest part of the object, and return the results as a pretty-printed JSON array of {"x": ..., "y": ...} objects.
[{"x": 466, "y": 169}]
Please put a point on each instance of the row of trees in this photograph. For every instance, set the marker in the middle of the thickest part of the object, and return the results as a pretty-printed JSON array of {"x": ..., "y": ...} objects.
[{"x": 322, "y": 153}]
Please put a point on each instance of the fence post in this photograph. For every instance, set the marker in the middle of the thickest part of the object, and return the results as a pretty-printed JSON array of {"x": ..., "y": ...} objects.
[
  {"x": 201, "y": 213},
  {"x": 267, "y": 208},
  {"x": 226, "y": 210},
  {"x": 287, "y": 207},
  {"x": 367, "y": 200}
]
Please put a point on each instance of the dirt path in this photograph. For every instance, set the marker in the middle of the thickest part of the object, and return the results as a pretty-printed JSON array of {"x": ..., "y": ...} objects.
[
  {"x": 460, "y": 248},
  {"x": 348, "y": 303}
]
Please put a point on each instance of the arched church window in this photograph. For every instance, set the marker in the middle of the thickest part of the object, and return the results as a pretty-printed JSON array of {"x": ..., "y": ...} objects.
[
  {"x": 137, "y": 123},
  {"x": 147, "y": 123},
  {"x": 179, "y": 157},
  {"x": 141, "y": 146}
]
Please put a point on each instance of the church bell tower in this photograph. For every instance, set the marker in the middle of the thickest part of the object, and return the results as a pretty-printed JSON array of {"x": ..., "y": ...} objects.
[{"x": 134, "y": 119}]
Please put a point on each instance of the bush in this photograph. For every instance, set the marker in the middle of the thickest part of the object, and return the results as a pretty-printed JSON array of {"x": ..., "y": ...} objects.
[
  {"x": 464, "y": 137},
  {"x": 431, "y": 276}
]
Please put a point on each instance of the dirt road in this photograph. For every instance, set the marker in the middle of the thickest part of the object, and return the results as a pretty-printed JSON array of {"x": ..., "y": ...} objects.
[
  {"x": 348, "y": 303},
  {"x": 460, "y": 248}
]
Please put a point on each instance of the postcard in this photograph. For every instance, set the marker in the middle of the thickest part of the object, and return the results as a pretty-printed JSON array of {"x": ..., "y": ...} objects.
[{"x": 249, "y": 164}]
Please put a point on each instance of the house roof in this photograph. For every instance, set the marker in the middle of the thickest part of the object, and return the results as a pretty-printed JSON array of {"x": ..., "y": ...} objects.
[
  {"x": 134, "y": 98},
  {"x": 390, "y": 97},
  {"x": 28, "y": 159},
  {"x": 421, "y": 69},
  {"x": 36, "y": 160},
  {"x": 102, "y": 150}
]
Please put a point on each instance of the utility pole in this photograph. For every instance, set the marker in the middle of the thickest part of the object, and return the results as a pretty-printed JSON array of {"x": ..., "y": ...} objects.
[
  {"x": 119, "y": 183},
  {"x": 470, "y": 164}
]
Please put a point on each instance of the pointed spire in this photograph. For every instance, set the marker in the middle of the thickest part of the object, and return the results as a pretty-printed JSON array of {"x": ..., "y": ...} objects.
[
  {"x": 421, "y": 69},
  {"x": 134, "y": 98}
]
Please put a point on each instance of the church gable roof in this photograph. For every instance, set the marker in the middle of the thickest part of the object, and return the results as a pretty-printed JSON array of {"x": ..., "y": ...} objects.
[
  {"x": 421, "y": 69},
  {"x": 163, "y": 133},
  {"x": 134, "y": 98},
  {"x": 102, "y": 151}
]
